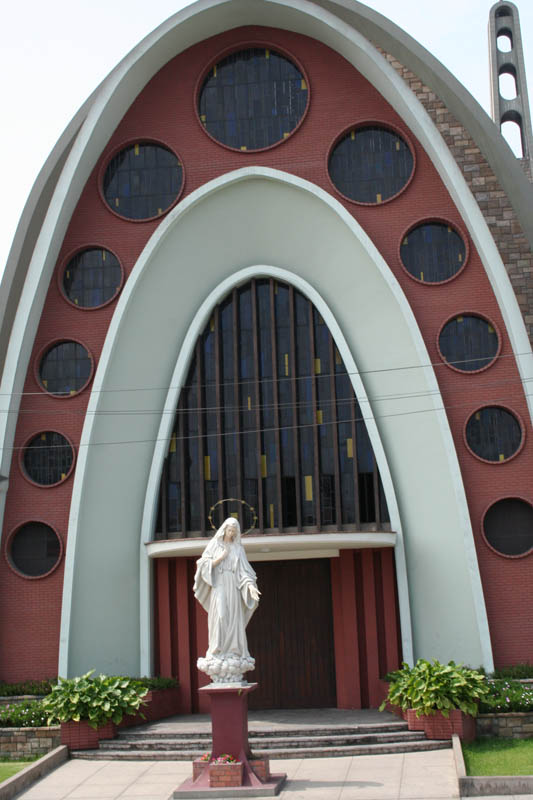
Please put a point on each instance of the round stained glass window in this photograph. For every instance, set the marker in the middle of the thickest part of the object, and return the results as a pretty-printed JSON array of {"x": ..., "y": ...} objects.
[
  {"x": 433, "y": 252},
  {"x": 252, "y": 99},
  {"x": 508, "y": 526},
  {"x": 493, "y": 433},
  {"x": 92, "y": 278},
  {"x": 370, "y": 164},
  {"x": 65, "y": 368},
  {"x": 48, "y": 458},
  {"x": 142, "y": 181},
  {"x": 468, "y": 343},
  {"x": 34, "y": 549}
]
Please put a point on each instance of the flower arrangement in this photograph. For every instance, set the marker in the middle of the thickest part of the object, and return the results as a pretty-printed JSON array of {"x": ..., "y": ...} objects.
[
  {"x": 204, "y": 757},
  {"x": 225, "y": 758}
]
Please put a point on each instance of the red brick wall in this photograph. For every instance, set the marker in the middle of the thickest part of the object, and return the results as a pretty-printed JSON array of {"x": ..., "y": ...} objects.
[{"x": 165, "y": 110}]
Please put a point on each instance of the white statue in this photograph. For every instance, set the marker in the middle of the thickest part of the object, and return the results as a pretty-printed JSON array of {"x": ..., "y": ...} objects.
[{"x": 226, "y": 586}]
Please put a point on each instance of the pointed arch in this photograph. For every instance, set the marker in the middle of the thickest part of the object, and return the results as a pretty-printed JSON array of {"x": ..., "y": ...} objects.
[{"x": 257, "y": 217}]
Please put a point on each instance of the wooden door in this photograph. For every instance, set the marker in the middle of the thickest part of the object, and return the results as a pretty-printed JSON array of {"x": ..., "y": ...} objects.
[{"x": 291, "y": 636}]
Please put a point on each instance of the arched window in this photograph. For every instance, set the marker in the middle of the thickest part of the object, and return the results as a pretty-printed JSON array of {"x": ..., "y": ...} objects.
[{"x": 268, "y": 416}]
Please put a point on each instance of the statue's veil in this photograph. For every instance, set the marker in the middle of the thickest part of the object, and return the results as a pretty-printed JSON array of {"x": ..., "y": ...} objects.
[{"x": 219, "y": 535}]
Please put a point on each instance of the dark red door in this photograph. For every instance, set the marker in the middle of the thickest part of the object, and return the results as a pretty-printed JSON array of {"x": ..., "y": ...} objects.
[{"x": 291, "y": 636}]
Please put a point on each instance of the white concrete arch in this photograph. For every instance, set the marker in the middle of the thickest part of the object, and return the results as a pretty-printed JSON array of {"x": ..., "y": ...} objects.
[
  {"x": 333, "y": 26},
  {"x": 262, "y": 221}
]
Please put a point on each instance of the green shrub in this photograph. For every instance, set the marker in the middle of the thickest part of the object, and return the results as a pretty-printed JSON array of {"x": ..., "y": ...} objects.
[
  {"x": 506, "y": 695},
  {"x": 97, "y": 700},
  {"x": 27, "y": 687},
  {"x": 429, "y": 687},
  {"x": 26, "y": 714},
  {"x": 156, "y": 683},
  {"x": 517, "y": 671}
]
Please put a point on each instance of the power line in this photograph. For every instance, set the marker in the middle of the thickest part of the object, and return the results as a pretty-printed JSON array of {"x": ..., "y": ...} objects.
[
  {"x": 273, "y": 429},
  {"x": 254, "y": 380}
]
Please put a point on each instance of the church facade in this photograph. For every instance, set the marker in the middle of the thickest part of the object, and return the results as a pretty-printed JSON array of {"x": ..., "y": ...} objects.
[{"x": 278, "y": 267}]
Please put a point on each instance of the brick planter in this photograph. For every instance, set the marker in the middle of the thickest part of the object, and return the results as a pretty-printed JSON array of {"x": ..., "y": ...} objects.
[
  {"x": 198, "y": 767},
  {"x": 414, "y": 723},
  {"x": 261, "y": 767},
  {"x": 224, "y": 775},
  {"x": 437, "y": 726},
  {"x": 160, "y": 703},
  {"x": 80, "y": 735}
]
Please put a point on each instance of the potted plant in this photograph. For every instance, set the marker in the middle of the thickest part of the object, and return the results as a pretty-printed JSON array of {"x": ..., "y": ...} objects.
[
  {"x": 440, "y": 699},
  {"x": 89, "y": 708},
  {"x": 225, "y": 770}
]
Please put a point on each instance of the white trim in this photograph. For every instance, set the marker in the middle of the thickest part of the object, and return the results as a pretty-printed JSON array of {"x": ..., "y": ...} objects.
[{"x": 280, "y": 545}]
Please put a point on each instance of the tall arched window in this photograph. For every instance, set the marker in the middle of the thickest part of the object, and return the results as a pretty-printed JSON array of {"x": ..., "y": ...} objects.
[{"x": 268, "y": 416}]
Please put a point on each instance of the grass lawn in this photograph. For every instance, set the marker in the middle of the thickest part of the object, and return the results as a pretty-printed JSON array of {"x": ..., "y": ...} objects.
[
  {"x": 499, "y": 757},
  {"x": 9, "y": 768}
]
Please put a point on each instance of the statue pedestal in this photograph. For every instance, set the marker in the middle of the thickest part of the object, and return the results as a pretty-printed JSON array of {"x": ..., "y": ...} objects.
[{"x": 229, "y": 722}]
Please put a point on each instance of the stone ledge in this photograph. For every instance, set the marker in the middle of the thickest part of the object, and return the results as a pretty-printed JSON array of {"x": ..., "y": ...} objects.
[{"x": 23, "y": 779}]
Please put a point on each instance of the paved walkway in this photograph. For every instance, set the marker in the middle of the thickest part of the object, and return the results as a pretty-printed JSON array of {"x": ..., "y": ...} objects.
[{"x": 424, "y": 776}]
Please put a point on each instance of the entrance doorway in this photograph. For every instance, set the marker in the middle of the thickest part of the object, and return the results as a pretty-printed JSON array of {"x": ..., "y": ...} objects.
[{"x": 291, "y": 636}]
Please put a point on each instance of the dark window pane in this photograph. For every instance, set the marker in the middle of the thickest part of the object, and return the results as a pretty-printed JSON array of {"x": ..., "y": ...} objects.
[
  {"x": 370, "y": 164},
  {"x": 65, "y": 368},
  {"x": 252, "y": 99},
  {"x": 508, "y": 526},
  {"x": 287, "y": 444},
  {"x": 433, "y": 252},
  {"x": 493, "y": 433},
  {"x": 34, "y": 549},
  {"x": 92, "y": 278},
  {"x": 468, "y": 343},
  {"x": 142, "y": 181},
  {"x": 48, "y": 458}
]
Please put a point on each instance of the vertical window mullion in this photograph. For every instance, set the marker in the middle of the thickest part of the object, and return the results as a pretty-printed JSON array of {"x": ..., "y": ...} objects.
[
  {"x": 354, "y": 407},
  {"x": 218, "y": 400},
  {"x": 184, "y": 483},
  {"x": 255, "y": 323},
  {"x": 317, "y": 494},
  {"x": 335, "y": 426},
  {"x": 201, "y": 431},
  {"x": 295, "y": 407},
  {"x": 375, "y": 481},
  {"x": 237, "y": 396},
  {"x": 164, "y": 500},
  {"x": 275, "y": 393}
]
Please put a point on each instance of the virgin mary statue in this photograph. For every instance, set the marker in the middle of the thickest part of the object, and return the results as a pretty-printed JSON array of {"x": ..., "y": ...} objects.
[{"x": 226, "y": 586}]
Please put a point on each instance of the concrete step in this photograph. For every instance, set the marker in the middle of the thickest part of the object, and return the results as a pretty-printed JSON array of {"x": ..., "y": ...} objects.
[
  {"x": 264, "y": 743},
  {"x": 408, "y": 746},
  {"x": 269, "y": 733}
]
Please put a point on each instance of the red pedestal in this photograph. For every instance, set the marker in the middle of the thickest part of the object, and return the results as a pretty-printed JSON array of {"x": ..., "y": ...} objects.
[
  {"x": 229, "y": 719},
  {"x": 229, "y": 722}
]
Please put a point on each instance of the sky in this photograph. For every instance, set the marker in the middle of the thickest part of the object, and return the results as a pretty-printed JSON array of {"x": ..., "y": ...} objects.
[{"x": 53, "y": 54}]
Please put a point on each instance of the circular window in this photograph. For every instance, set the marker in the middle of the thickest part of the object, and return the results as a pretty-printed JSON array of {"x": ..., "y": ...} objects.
[
  {"x": 493, "y": 434},
  {"x": 47, "y": 458},
  {"x": 142, "y": 181},
  {"x": 508, "y": 526},
  {"x": 65, "y": 369},
  {"x": 92, "y": 278},
  {"x": 34, "y": 550},
  {"x": 433, "y": 252},
  {"x": 468, "y": 343},
  {"x": 252, "y": 99},
  {"x": 370, "y": 164}
]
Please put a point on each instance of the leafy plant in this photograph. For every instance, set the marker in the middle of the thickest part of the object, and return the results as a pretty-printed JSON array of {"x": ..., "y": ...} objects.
[
  {"x": 156, "y": 683},
  {"x": 504, "y": 696},
  {"x": 225, "y": 758},
  {"x": 97, "y": 700},
  {"x": 429, "y": 687},
  {"x": 26, "y": 714}
]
